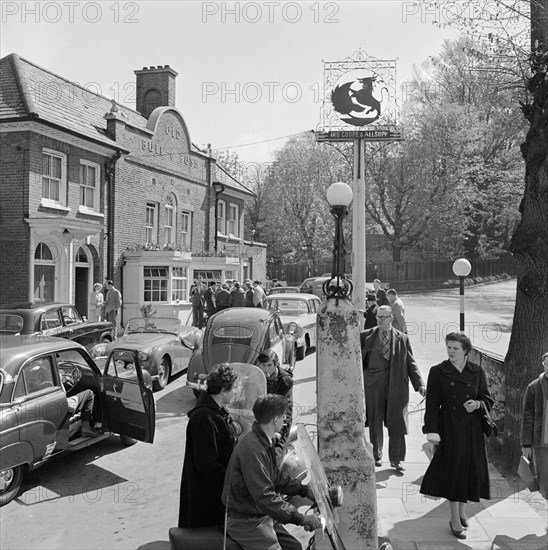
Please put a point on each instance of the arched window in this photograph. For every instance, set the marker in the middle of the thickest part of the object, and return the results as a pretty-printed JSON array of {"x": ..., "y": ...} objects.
[
  {"x": 81, "y": 256},
  {"x": 169, "y": 220},
  {"x": 44, "y": 274},
  {"x": 43, "y": 252}
]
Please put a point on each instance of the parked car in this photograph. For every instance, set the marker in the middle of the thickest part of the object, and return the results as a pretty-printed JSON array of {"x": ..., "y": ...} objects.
[
  {"x": 284, "y": 289},
  {"x": 298, "y": 315},
  {"x": 238, "y": 335},
  {"x": 306, "y": 285},
  {"x": 54, "y": 319},
  {"x": 37, "y": 376},
  {"x": 164, "y": 346}
]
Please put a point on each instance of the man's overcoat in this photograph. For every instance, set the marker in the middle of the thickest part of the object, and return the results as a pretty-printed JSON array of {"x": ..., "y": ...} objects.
[{"x": 403, "y": 368}]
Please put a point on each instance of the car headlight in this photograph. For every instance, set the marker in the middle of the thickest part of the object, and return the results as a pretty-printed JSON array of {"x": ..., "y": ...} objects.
[
  {"x": 98, "y": 351},
  {"x": 144, "y": 354}
]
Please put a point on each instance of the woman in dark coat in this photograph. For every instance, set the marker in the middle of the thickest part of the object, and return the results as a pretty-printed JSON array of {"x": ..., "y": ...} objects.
[
  {"x": 210, "y": 440},
  {"x": 459, "y": 470}
]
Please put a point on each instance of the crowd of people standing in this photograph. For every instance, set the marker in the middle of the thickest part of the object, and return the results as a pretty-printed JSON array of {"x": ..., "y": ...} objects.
[{"x": 206, "y": 301}]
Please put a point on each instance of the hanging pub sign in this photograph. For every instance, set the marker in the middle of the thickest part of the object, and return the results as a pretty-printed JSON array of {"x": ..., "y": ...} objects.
[{"x": 359, "y": 100}]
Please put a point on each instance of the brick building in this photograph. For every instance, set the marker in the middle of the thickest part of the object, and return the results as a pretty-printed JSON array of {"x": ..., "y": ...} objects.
[{"x": 91, "y": 190}]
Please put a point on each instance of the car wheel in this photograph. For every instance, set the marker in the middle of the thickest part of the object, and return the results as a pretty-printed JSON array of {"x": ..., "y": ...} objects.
[
  {"x": 301, "y": 352},
  {"x": 127, "y": 441},
  {"x": 10, "y": 483},
  {"x": 164, "y": 370}
]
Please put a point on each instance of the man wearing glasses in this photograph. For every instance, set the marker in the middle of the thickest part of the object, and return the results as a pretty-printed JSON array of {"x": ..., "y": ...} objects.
[{"x": 388, "y": 365}]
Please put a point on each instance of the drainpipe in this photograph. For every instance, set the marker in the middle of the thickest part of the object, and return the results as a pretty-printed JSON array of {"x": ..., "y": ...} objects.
[
  {"x": 209, "y": 167},
  {"x": 110, "y": 172}
]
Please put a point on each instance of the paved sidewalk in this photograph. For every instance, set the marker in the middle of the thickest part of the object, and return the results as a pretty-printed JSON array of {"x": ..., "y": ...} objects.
[{"x": 414, "y": 522}]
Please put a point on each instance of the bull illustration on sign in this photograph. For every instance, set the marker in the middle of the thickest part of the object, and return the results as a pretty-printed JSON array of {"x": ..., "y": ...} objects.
[{"x": 359, "y": 99}]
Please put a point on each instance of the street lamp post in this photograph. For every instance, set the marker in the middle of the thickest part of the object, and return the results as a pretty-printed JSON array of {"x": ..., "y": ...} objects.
[
  {"x": 345, "y": 454},
  {"x": 339, "y": 197},
  {"x": 461, "y": 268}
]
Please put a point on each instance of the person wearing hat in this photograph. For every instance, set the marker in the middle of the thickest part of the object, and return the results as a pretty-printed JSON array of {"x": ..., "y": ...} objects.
[{"x": 370, "y": 313}]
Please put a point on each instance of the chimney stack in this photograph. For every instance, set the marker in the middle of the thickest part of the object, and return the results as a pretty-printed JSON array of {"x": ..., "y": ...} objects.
[{"x": 155, "y": 88}]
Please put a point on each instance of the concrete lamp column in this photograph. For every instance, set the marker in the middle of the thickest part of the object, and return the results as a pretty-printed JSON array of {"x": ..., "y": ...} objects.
[
  {"x": 344, "y": 452},
  {"x": 461, "y": 268}
]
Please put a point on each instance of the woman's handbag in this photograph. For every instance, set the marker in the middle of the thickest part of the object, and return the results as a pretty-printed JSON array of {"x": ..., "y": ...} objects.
[
  {"x": 526, "y": 471},
  {"x": 488, "y": 425}
]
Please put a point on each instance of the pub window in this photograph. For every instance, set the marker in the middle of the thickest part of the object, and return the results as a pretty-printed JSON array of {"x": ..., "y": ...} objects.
[
  {"x": 186, "y": 229},
  {"x": 233, "y": 220},
  {"x": 89, "y": 185},
  {"x": 155, "y": 283},
  {"x": 221, "y": 217},
  {"x": 151, "y": 223},
  {"x": 44, "y": 274},
  {"x": 54, "y": 176},
  {"x": 169, "y": 221},
  {"x": 178, "y": 284}
]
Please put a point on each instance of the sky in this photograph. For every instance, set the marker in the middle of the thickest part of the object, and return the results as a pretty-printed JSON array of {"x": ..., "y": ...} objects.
[{"x": 249, "y": 72}]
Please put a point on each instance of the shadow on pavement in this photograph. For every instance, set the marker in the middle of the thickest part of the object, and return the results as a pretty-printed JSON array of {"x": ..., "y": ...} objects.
[
  {"x": 176, "y": 403},
  {"x": 529, "y": 542},
  {"x": 155, "y": 545}
]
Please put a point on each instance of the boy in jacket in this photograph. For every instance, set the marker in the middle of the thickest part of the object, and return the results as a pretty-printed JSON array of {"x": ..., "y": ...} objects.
[{"x": 254, "y": 486}]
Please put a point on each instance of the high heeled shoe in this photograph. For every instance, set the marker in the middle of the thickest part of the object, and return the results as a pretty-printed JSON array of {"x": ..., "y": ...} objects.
[
  {"x": 464, "y": 523},
  {"x": 459, "y": 534}
]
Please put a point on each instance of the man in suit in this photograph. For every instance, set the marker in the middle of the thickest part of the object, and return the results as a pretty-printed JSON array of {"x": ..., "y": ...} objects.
[
  {"x": 388, "y": 365},
  {"x": 113, "y": 303},
  {"x": 197, "y": 299}
]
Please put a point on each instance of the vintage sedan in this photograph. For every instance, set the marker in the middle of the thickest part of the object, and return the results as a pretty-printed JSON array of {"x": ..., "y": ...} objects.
[
  {"x": 298, "y": 315},
  {"x": 164, "y": 346},
  {"x": 238, "y": 335},
  {"x": 54, "y": 319},
  {"x": 37, "y": 376}
]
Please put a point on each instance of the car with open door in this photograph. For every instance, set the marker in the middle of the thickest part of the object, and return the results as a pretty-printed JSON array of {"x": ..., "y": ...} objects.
[{"x": 41, "y": 379}]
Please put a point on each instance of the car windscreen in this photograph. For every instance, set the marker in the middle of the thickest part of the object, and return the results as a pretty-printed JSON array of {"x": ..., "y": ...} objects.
[
  {"x": 11, "y": 324},
  {"x": 153, "y": 324},
  {"x": 288, "y": 307}
]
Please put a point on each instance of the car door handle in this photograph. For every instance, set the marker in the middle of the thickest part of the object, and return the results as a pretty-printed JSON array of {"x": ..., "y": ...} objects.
[{"x": 16, "y": 407}]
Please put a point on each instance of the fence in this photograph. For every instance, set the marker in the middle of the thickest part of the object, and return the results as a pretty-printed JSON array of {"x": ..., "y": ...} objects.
[{"x": 395, "y": 272}]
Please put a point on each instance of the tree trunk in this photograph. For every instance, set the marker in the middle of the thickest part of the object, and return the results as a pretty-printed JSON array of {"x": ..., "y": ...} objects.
[
  {"x": 396, "y": 252},
  {"x": 529, "y": 339}
]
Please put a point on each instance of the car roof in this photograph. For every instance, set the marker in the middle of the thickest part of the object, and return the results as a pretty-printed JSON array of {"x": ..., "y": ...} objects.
[
  {"x": 292, "y": 296},
  {"x": 15, "y": 349},
  {"x": 242, "y": 315},
  {"x": 35, "y": 306}
]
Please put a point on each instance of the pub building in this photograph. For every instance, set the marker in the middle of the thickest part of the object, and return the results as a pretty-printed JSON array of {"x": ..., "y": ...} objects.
[{"x": 93, "y": 190}]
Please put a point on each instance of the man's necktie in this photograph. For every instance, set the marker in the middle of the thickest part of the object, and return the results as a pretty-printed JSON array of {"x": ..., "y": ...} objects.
[{"x": 386, "y": 346}]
